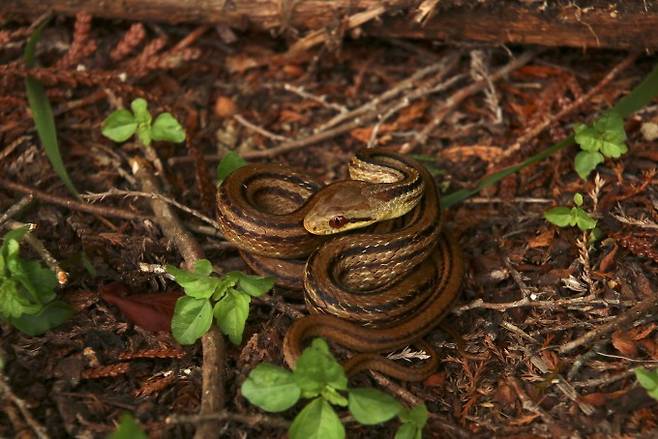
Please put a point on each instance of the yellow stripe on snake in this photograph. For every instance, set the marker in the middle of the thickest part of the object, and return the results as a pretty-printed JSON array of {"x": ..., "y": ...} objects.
[{"x": 372, "y": 289}]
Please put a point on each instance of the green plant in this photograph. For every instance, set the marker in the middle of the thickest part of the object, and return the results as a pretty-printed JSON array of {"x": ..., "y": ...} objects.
[
  {"x": 640, "y": 96},
  {"x": 576, "y": 216},
  {"x": 42, "y": 113},
  {"x": 122, "y": 124},
  {"x": 27, "y": 290},
  {"x": 227, "y": 298},
  {"x": 319, "y": 377},
  {"x": 649, "y": 380},
  {"x": 127, "y": 429},
  {"x": 604, "y": 138}
]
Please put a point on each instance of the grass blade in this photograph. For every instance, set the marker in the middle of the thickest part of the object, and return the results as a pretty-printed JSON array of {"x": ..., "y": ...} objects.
[{"x": 42, "y": 114}]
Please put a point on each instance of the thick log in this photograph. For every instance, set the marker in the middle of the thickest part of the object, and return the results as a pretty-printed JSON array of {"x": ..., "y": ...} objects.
[{"x": 621, "y": 24}]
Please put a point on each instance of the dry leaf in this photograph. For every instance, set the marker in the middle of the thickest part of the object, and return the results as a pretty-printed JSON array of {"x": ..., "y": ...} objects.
[
  {"x": 600, "y": 399},
  {"x": 152, "y": 312},
  {"x": 624, "y": 344},
  {"x": 544, "y": 239}
]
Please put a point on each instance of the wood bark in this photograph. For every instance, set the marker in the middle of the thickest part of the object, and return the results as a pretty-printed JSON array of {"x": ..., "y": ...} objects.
[{"x": 627, "y": 24}]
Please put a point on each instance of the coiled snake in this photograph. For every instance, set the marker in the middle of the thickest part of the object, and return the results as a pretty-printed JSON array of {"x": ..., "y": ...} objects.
[{"x": 370, "y": 291}]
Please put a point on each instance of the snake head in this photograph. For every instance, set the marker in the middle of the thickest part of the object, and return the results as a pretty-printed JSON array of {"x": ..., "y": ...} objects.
[{"x": 341, "y": 206}]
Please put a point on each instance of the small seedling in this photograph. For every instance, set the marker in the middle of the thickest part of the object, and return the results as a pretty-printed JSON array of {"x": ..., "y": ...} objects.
[
  {"x": 227, "y": 298},
  {"x": 576, "y": 216},
  {"x": 319, "y": 377},
  {"x": 128, "y": 429},
  {"x": 27, "y": 290},
  {"x": 604, "y": 138},
  {"x": 122, "y": 124}
]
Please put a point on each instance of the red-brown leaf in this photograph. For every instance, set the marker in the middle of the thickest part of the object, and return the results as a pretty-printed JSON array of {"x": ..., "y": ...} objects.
[{"x": 152, "y": 312}]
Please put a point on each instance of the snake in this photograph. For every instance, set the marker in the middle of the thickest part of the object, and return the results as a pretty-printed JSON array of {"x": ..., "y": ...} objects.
[{"x": 370, "y": 253}]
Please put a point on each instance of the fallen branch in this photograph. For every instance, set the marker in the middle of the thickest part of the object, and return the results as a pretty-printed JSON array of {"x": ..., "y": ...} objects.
[{"x": 212, "y": 391}]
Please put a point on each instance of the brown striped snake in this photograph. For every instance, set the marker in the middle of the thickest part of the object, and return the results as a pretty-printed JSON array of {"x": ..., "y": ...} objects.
[{"x": 370, "y": 290}]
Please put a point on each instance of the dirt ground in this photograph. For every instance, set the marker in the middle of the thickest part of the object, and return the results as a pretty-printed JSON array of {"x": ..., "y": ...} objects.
[{"x": 545, "y": 336}]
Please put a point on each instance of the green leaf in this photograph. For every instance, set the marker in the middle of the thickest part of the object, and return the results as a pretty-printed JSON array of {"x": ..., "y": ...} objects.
[
  {"x": 586, "y": 161},
  {"x": 13, "y": 304},
  {"x": 119, "y": 126},
  {"x": 192, "y": 318},
  {"x": 197, "y": 283},
  {"x": 408, "y": 431},
  {"x": 417, "y": 416},
  {"x": 228, "y": 164},
  {"x": 140, "y": 110},
  {"x": 583, "y": 220},
  {"x": 606, "y": 135},
  {"x": 16, "y": 234},
  {"x": 578, "y": 199},
  {"x": 372, "y": 406},
  {"x": 585, "y": 136},
  {"x": 647, "y": 378},
  {"x": 231, "y": 313},
  {"x": 316, "y": 369},
  {"x": 42, "y": 113},
  {"x": 333, "y": 397},
  {"x": 317, "y": 421},
  {"x": 560, "y": 216},
  {"x": 39, "y": 280},
  {"x": 52, "y": 315},
  {"x": 255, "y": 286},
  {"x": 595, "y": 235},
  {"x": 271, "y": 388},
  {"x": 128, "y": 429},
  {"x": 166, "y": 128},
  {"x": 143, "y": 118}
]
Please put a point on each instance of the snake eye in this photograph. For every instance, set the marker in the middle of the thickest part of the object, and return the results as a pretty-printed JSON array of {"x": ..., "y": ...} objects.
[{"x": 338, "y": 222}]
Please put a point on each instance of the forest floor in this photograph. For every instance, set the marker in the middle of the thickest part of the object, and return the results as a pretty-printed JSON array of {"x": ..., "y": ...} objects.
[{"x": 550, "y": 323}]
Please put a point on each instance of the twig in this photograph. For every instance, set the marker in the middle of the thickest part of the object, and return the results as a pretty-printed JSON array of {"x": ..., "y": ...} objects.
[
  {"x": 527, "y": 301},
  {"x": 604, "y": 380},
  {"x": 7, "y": 392},
  {"x": 119, "y": 192},
  {"x": 461, "y": 95},
  {"x": 621, "y": 216},
  {"x": 391, "y": 93},
  {"x": 319, "y": 99},
  {"x": 562, "y": 385},
  {"x": 595, "y": 91},
  {"x": 262, "y": 131},
  {"x": 16, "y": 208},
  {"x": 6, "y": 152},
  {"x": 42, "y": 251},
  {"x": 250, "y": 420},
  {"x": 360, "y": 119},
  {"x": 645, "y": 306},
  {"x": 72, "y": 204},
  {"x": 423, "y": 90},
  {"x": 212, "y": 392}
]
